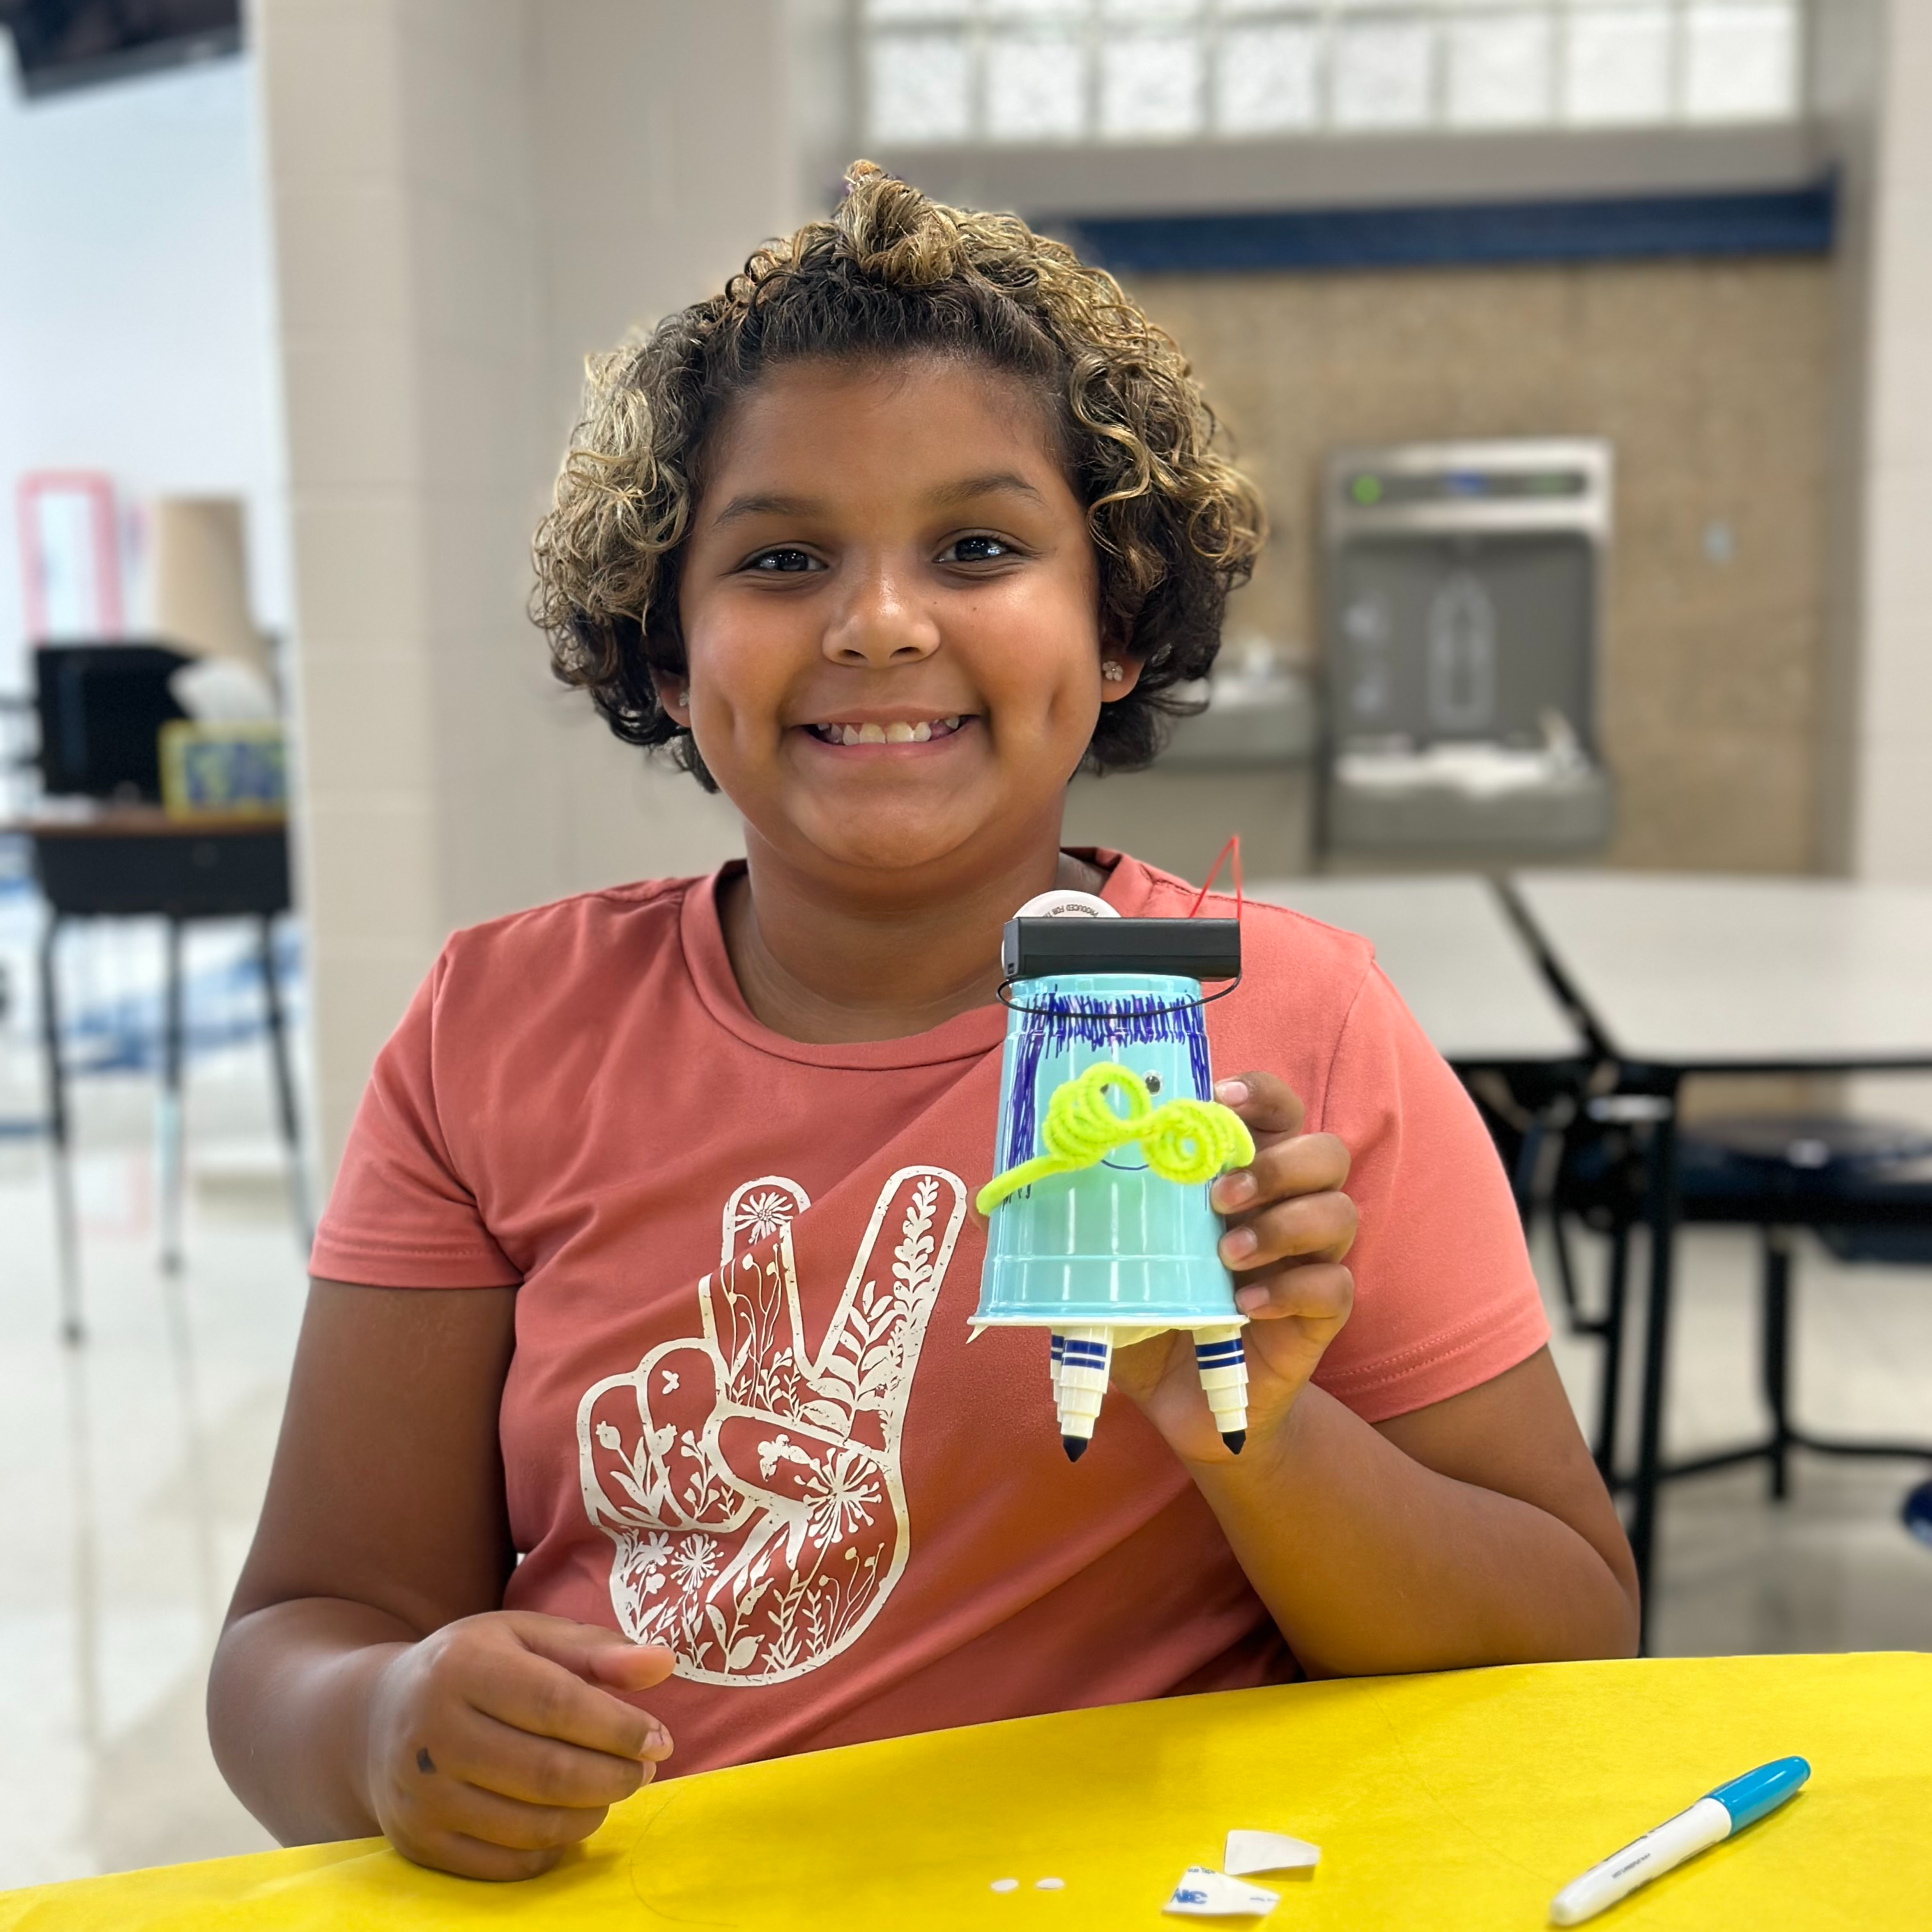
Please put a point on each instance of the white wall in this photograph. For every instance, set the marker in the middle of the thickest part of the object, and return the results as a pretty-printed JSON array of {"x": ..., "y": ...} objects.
[
  {"x": 469, "y": 196},
  {"x": 136, "y": 331}
]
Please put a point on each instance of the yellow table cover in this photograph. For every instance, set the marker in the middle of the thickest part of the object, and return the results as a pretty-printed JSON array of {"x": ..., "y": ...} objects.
[{"x": 1463, "y": 1800}]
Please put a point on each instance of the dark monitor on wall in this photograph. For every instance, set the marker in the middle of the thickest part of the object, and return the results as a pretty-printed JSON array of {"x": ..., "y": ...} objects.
[
  {"x": 63, "y": 44},
  {"x": 101, "y": 708}
]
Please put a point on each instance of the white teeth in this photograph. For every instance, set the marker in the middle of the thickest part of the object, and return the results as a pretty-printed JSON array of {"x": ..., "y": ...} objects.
[{"x": 894, "y": 733}]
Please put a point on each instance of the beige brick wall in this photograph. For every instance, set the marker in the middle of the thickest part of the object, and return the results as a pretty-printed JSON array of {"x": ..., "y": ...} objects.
[{"x": 1711, "y": 378}]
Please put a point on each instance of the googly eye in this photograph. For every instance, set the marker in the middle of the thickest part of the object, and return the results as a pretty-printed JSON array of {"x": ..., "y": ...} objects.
[{"x": 1151, "y": 1081}]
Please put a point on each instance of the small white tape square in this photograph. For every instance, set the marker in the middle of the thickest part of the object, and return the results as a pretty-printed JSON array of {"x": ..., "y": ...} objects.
[
  {"x": 1268, "y": 1851},
  {"x": 1203, "y": 1893}
]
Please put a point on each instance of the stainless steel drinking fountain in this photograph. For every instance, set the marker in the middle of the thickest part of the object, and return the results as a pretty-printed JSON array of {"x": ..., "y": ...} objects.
[{"x": 1462, "y": 616}]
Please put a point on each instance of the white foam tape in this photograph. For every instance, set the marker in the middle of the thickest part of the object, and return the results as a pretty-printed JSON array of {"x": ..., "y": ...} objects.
[
  {"x": 1268, "y": 1851},
  {"x": 1203, "y": 1893}
]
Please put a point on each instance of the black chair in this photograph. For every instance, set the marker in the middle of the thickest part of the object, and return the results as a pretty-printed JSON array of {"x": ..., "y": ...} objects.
[
  {"x": 1916, "y": 1512},
  {"x": 1863, "y": 1187}
]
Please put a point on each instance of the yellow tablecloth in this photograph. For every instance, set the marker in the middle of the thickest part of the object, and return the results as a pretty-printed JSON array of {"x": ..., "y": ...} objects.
[{"x": 1459, "y": 1800}]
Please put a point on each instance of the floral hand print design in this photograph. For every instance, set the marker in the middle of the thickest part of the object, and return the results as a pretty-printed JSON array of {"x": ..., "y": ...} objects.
[{"x": 750, "y": 1485}]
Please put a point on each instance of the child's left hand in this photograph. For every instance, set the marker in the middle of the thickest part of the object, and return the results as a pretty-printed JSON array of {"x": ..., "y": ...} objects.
[{"x": 1289, "y": 1226}]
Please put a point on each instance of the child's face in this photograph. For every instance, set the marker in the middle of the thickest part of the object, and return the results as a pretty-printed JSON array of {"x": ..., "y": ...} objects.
[{"x": 895, "y": 552}]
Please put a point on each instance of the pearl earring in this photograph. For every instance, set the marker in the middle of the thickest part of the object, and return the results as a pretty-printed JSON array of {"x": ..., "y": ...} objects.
[
  {"x": 684, "y": 698},
  {"x": 1111, "y": 672}
]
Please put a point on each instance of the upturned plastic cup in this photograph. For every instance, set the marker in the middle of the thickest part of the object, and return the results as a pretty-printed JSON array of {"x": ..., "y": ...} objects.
[{"x": 1112, "y": 1244}]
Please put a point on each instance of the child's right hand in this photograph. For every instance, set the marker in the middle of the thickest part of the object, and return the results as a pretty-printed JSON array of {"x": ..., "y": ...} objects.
[{"x": 502, "y": 1739}]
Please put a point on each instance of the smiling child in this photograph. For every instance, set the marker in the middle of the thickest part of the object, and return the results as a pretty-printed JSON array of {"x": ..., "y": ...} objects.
[{"x": 633, "y": 1400}]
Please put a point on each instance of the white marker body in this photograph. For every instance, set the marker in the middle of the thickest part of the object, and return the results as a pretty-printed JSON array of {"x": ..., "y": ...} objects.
[{"x": 1644, "y": 1858}]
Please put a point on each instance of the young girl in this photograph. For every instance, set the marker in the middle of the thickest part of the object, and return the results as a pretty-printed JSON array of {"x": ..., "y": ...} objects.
[{"x": 633, "y": 1401}]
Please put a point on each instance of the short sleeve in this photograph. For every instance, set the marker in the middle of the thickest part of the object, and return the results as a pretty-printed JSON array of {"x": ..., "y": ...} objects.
[
  {"x": 400, "y": 1215},
  {"x": 1445, "y": 1298}
]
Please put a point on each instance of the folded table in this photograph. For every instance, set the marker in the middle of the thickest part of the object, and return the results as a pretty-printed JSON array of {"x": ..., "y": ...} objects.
[{"x": 1464, "y": 1799}]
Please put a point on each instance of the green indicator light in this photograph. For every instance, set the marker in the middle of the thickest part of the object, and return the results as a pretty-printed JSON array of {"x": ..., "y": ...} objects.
[{"x": 1366, "y": 490}]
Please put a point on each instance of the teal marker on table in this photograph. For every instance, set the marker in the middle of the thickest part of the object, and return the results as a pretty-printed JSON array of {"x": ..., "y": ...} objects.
[{"x": 1718, "y": 1816}]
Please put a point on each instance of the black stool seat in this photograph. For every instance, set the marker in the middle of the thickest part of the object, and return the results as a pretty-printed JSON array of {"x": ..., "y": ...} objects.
[
  {"x": 1864, "y": 1185},
  {"x": 1824, "y": 1144}
]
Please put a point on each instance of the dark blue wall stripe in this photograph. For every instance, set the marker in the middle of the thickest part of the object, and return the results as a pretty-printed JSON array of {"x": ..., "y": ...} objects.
[{"x": 1783, "y": 222}]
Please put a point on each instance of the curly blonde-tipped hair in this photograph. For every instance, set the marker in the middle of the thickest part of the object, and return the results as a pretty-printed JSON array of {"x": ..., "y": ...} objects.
[{"x": 1174, "y": 525}]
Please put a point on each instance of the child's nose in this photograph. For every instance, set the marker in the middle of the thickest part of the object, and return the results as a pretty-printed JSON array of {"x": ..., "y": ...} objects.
[{"x": 880, "y": 625}]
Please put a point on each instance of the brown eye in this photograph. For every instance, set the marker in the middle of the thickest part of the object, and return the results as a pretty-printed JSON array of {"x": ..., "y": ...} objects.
[{"x": 978, "y": 550}]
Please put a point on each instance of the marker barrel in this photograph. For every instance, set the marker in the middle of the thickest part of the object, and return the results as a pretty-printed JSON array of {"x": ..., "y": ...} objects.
[{"x": 1643, "y": 1859}]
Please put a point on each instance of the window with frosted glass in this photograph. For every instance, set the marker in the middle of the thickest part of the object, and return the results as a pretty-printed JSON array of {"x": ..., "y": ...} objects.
[{"x": 957, "y": 72}]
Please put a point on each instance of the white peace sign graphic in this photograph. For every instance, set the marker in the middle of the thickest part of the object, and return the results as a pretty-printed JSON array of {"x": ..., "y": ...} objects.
[{"x": 750, "y": 1486}]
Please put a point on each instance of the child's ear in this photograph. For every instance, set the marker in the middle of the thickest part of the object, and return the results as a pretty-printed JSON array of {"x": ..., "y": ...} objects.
[
  {"x": 674, "y": 695},
  {"x": 1119, "y": 674}
]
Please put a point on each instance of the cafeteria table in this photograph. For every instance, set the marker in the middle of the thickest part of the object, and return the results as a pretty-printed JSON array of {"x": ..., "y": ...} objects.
[
  {"x": 1453, "y": 952},
  {"x": 137, "y": 861},
  {"x": 1465, "y": 1799},
  {"x": 1682, "y": 974}
]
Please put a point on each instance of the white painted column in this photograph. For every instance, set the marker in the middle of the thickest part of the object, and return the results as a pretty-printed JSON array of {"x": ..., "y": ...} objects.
[
  {"x": 1891, "y": 769},
  {"x": 1873, "y": 72},
  {"x": 468, "y": 195},
  {"x": 1873, "y": 75}
]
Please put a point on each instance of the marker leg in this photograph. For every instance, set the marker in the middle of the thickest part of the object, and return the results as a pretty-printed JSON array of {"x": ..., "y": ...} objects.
[
  {"x": 1224, "y": 1380},
  {"x": 1085, "y": 1356}
]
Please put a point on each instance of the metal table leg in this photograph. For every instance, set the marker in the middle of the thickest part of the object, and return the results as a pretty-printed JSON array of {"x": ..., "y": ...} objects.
[
  {"x": 171, "y": 1150},
  {"x": 1661, "y": 1214},
  {"x": 67, "y": 1231},
  {"x": 1616, "y": 1300},
  {"x": 1775, "y": 1342},
  {"x": 285, "y": 1090}
]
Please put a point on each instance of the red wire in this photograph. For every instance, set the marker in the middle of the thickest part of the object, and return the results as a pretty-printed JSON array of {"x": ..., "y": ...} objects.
[{"x": 1232, "y": 849}]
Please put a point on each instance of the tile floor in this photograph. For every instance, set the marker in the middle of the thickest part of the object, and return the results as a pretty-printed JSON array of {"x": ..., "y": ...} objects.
[{"x": 134, "y": 1469}]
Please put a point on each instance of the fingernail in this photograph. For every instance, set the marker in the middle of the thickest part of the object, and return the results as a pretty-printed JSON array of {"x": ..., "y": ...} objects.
[
  {"x": 1237, "y": 1243},
  {"x": 1231, "y": 1092},
  {"x": 1234, "y": 1190},
  {"x": 1250, "y": 1300},
  {"x": 657, "y": 1741}
]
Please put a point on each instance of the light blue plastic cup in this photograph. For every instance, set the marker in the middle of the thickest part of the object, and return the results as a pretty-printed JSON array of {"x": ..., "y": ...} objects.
[{"x": 1114, "y": 1244}]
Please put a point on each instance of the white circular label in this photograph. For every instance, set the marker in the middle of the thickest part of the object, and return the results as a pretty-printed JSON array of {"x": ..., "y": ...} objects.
[{"x": 1066, "y": 904}]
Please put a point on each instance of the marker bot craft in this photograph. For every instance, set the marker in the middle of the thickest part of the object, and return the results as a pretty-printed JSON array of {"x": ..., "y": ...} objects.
[{"x": 1109, "y": 1137}]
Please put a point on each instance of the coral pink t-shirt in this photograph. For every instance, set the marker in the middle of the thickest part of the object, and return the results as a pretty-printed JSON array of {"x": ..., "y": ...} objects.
[{"x": 743, "y": 1417}]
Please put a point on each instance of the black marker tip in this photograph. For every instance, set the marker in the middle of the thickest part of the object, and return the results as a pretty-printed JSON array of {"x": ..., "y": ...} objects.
[
  {"x": 1236, "y": 1440},
  {"x": 1075, "y": 1447}
]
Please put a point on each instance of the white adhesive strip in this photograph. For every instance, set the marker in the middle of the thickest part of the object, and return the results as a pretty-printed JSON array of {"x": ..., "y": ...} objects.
[
  {"x": 1203, "y": 1893},
  {"x": 1268, "y": 1851}
]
